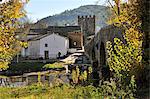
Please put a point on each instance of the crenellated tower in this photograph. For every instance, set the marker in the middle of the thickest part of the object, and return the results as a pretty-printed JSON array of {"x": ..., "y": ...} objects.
[{"x": 87, "y": 24}]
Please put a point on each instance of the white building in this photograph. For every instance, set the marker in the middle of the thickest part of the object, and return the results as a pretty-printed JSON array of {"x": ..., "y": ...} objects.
[{"x": 46, "y": 46}]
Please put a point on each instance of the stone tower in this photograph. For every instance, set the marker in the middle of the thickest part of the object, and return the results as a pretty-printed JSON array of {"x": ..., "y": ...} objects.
[{"x": 87, "y": 24}]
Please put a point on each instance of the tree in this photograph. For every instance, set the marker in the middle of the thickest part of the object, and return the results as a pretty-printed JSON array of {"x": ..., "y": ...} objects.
[
  {"x": 125, "y": 58},
  {"x": 10, "y": 13}
]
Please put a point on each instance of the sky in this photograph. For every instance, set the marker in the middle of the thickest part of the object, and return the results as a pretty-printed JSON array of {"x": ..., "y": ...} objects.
[{"x": 38, "y": 9}]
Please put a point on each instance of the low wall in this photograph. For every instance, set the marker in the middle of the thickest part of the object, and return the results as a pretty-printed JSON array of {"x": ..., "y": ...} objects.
[{"x": 51, "y": 79}]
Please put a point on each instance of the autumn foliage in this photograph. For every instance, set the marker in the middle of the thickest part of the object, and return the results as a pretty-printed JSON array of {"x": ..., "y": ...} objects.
[
  {"x": 10, "y": 14},
  {"x": 125, "y": 57}
]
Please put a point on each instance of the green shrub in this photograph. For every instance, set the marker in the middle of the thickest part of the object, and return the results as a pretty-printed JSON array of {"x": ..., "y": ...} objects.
[
  {"x": 82, "y": 77},
  {"x": 54, "y": 65},
  {"x": 117, "y": 89}
]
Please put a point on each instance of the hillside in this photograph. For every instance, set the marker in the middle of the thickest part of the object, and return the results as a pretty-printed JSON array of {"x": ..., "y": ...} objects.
[{"x": 70, "y": 16}]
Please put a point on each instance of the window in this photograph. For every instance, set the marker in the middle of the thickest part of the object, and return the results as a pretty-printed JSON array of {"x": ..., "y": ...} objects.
[
  {"x": 46, "y": 45},
  {"x": 74, "y": 43}
]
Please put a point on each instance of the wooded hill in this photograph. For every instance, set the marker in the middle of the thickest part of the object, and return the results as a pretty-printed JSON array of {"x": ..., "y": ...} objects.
[{"x": 70, "y": 16}]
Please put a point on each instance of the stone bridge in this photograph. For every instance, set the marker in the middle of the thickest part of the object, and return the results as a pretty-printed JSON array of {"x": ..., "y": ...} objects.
[{"x": 95, "y": 49}]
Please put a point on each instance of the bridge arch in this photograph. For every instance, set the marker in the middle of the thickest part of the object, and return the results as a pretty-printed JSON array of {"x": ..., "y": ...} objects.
[
  {"x": 102, "y": 54},
  {"x": 105, "y": 71}
]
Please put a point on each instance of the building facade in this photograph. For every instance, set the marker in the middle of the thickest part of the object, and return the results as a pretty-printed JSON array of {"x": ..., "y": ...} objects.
[{"x": 46, "y": 46}]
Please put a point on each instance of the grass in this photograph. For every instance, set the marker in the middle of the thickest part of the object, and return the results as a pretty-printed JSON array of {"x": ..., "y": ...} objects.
[
  {"x": 54, "y": 65},
  {"x": 45, "y": 92},
  {"x": 37, "y": 91},
  {"x": 1, "y": 76}
]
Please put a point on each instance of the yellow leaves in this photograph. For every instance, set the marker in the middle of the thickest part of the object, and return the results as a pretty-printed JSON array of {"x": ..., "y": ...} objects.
[
  {"x": 134, "y": 37},
  {"x": 3, "y": 65},
  {"x": 10, "y": 12},
  {"x": 139, "y": 58},
  {"x": 1, "y": 48},
  {"x": 17, "y": 9},
  {"x": 117, "y": 41},
  {"x": 24, "y": 44},
  {"x": 75, "y": 76},
  {"x": 108, "y": 45},
  {"x": 123, "y": 57},
  {"x": 126, "y": 57},
  {"x": 12, "y": 9}
]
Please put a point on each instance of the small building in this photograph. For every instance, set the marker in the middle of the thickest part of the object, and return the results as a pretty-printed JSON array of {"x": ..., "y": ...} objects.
[
  {"x": 46, "y": 46},
  {"x": 75, "y": 40}
]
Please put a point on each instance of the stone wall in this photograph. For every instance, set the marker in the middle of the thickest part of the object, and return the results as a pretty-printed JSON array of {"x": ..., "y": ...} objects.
[{"x": 51, "y": 79}]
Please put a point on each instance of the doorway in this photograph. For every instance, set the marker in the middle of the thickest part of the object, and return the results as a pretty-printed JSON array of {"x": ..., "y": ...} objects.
[{"x": 46, "y": 54}]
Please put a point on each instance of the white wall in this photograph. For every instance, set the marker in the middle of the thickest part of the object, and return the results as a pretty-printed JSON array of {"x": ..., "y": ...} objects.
[
  {"x": 33, "y": 49},
  {"x": 55, "y": 43}
]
